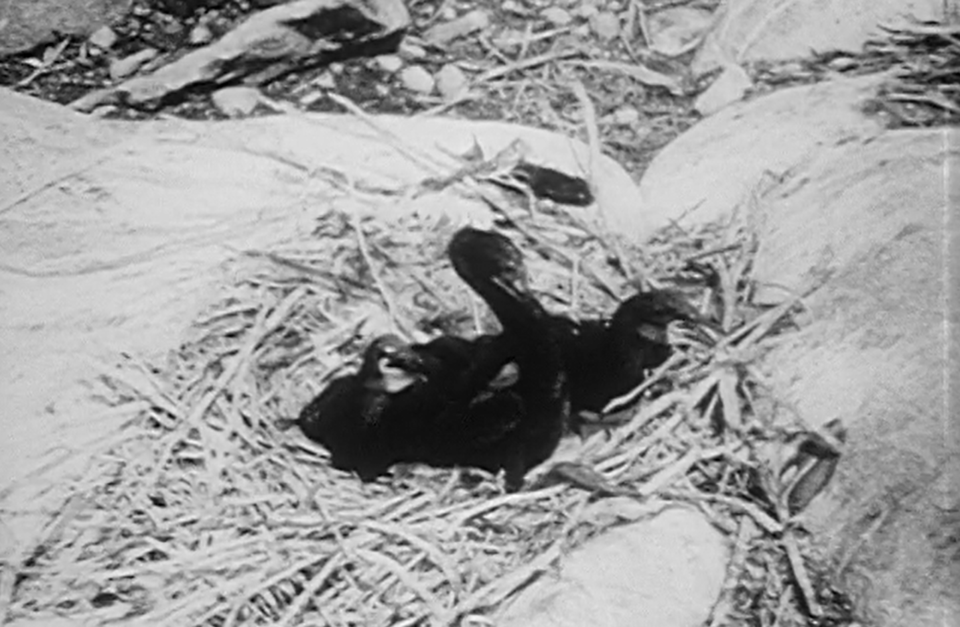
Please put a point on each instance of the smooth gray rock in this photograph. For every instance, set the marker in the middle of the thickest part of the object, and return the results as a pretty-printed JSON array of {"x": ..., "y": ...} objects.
[
  {"x": 667, "y": 570},
  {"x": 855, "y": 218}
]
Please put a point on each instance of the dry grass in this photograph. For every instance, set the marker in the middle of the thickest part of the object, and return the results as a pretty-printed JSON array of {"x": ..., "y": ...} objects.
[
  {"x": 206, "y": 513},
  {"x": 925, "y": 58}
]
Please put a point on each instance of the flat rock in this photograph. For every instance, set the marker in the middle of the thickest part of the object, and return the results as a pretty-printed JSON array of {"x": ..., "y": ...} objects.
[
  {"x": 260, "y": 48},
  {"x": 25, "y": 24},
  {"x": 668, "y": 569}
]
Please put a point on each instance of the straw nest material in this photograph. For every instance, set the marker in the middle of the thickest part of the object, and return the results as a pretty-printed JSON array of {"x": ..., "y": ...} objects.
[
  {"x": 925, "y": 88},
  {"x": 207, "y": 513}
]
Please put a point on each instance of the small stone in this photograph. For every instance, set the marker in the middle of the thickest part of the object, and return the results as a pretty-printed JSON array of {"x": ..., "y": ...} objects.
[
  {"x": 678, "y": 30},
  {"x": 451, "y": 82},
  {"x": 625, "y": 116},
  {"x": 557, "y": 16},
  {"x": 841, "y": 64},
  {"x": 411, "y": 52},
  {"x": 236, "y": 101},
  {"x": 200, "y": 35},
  {"x": 730, "y": 86},
  {"x": 448, "y": 31},
  {"x": 417, "y": 79},
  {"x": 122, "y": 68},
  {"x": 103, "y": 38},
  {"x": 605, "y": 25},
  {"x": 587, "y": 11},
  {"x": 511, "y": 6},
  {"x": 390, "y": 63},
  {"x": 324, "y": 81}
]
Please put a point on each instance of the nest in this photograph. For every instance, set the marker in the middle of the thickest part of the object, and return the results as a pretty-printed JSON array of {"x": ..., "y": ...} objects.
[{"x": 206, "y": 512}]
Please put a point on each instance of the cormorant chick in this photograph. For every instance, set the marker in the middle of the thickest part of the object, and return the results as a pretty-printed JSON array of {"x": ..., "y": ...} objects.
[
  {"x": 347, "y": 416},
  {"x": 516, "y": 426},
  {"x": 607, "y": 358}
]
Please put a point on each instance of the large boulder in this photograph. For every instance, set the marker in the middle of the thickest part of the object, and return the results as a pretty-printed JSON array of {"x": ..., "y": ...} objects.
[{"x": 854, "y": 218}]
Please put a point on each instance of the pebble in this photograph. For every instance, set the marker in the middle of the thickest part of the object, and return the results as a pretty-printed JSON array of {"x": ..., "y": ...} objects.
[
  {"x": 451, "y": 82},
  {"x": 678, "y": 30},
  {"x": 200, "y": 35},
  {"x": 103, "y": 38},
  {"x": 236, "y": 101},
  {"x": 557, "y": 16},
  {"x": 605, "y": 25},
  {"x": 587, "y": 11},
  {"x": 389, "y": 63},
  {"x": 417, "y": 79},
  {"x": 454, "y": 29},
  {"x": 122, "y": 68},
  {"x": 625, "y": 116},
  {"x": 324, "y": 81},
  {"x": 411, "y": 51}
]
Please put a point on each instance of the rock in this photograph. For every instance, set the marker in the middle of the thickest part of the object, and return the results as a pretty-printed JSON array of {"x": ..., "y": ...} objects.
[
  {"x": 557, "y": 16},
  {"x": 605, "y": 25},
  {"x": 451, "y": 81},
  {"x": 411, "y": 51},
  {"x": 753, "y": 30},
  {"x": 587, "y": 11},
  {"x": 29, "y": 23},
  {"x": 325, "y": 80},
  {"x": 122, "y": 68},
  {"x": 678, "y": 30},
  {"x": 417, "y": 79},
  {"x": 236, "y": 101},
  {"x": 389, "y": 63},
  {"x": 859, "y": 228},
  {"x": 729, "y": 87},
  {"x": 200, "y": 35},
  {"x": 850, "y": 216},
  {"x": 625, "y": 116},
  {"x": 103, "y": 38},
  {"x": 668, "y": 569},
  {"x": 695, "y": 176},
  {"x": 446, "y": 32},
  {"x": 260, "y": 48},
  {"x": 512, "y": 6}
]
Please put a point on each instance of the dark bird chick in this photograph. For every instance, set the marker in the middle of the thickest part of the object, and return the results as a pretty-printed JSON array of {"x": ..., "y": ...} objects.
[
  {"x": 347, "y": 417},
  {"x": 517, "y": 425},
  {"x": 607, "y": 358}
]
